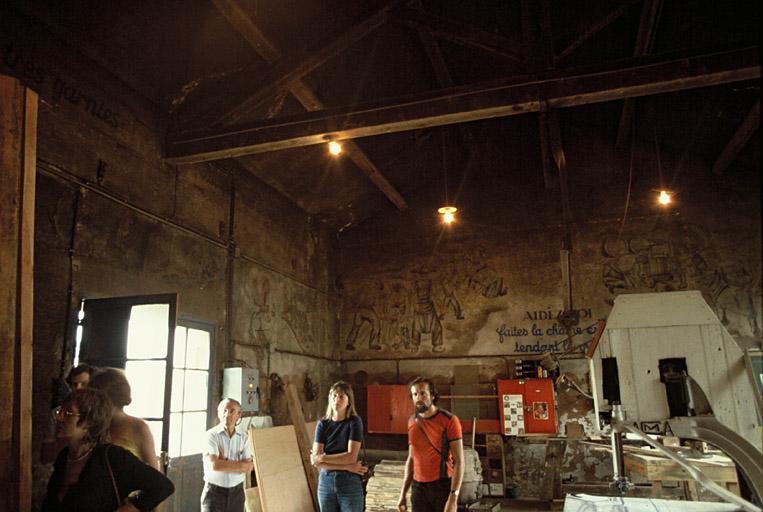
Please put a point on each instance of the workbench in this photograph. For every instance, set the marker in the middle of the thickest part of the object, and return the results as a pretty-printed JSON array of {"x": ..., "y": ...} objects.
[{"x": 657, "y": 470}]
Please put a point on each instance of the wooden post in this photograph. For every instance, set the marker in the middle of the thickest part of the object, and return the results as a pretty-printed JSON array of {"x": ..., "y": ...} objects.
[
  {"x": 18, "y": 147},
  {"x": 303, "y": 439},
  {"x": 552, "y": 482}
]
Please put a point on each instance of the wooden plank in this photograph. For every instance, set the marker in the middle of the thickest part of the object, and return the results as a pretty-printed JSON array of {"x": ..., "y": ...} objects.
[
  {"x": 743, "y": 134},
  {"x": 552, "y": 483},
  {"x": 469, "y": 104},
  {"x": 718, "y": 468},
  {"x": 596, "y": 337},
  {"x": 303, "y": 439},
  {"x": 238, "y": 16},
  {"x": 280, "y": 474},
  {"x": 18, "y": 145}
]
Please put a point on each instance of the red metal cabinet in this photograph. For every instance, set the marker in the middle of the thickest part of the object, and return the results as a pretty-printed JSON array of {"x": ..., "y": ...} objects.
[
  {"x": 527, "y": 406},
  {"x": 389, "y": 407}
]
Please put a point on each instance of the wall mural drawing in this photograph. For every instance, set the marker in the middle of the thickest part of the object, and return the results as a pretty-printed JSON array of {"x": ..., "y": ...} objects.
[
  {"x": 365, "y": 319},
  {"x": 406, "y": 312},
  {"x": 679, "y": 258},
  {"x": 425, "y": 320},
  {"x": 262, "y": 312}
]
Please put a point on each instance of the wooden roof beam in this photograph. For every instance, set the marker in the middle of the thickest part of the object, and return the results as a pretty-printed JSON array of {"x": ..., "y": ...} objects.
[
  {"x": 238, "y": 101},
  {"x": 650, "y": 15},
  {"x": 238, "y": 16},
  {"x": 460, "y": 33},
  {"x": 743, "y": 134},
  {"x": 539, "y": 46},
  {"x": 637, "y": 77},
  {"x": 586, "y": 33}
]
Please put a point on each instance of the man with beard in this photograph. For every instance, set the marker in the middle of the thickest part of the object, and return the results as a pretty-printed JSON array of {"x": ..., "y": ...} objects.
[{"x": 434, "y": 468}]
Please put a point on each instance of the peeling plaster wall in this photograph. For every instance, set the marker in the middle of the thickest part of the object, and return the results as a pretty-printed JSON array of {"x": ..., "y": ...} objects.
[
  {"x": 112, "y": 219},
  {"x": 418, "y": 299}
]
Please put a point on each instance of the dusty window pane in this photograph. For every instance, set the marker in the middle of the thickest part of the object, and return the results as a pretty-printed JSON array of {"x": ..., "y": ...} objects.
[
  {"x": 194, "y": 426},
  {"x": 178, "y": 388},
  {"x": 147, "y": 331},
  {"x": 178, "y": 358},
  {"x": 195, "y": 390},
  {"x": 147, "y": 383},
  {"x": 176, "y": 419},
  {"x": 156, "y": 431},
  {"x": 198, "y": 349}
]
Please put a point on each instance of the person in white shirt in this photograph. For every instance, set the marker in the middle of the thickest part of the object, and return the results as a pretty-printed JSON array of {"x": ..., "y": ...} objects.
[{"x": 227, "y": 459}]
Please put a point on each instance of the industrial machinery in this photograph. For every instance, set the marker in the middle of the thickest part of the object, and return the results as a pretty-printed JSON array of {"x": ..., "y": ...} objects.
[{"x": 668, "y": 365}]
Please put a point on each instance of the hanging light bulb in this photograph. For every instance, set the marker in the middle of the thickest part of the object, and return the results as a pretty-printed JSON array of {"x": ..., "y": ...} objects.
[
  {"x": 448, "y": 214},
  {"x": 335, "y": 148},
  {"x": 664, "y": 198}
]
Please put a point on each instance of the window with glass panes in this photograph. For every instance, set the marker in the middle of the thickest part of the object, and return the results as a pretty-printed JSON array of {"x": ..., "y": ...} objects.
[
  {"x": 146, "y": 365},
  {"x": 190, "y": 380}
]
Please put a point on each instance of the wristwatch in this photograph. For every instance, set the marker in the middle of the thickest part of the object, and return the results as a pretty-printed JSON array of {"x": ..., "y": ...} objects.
[{"x": 455, "y": 492}]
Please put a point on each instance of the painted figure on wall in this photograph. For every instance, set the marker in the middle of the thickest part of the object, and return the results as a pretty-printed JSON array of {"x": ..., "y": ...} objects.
[
  {"x": 365, "y": 319},
  {"x": 426, "y": 320},
  {"x": 259, "y": 320},
  {"x": 679, "y": 258}
]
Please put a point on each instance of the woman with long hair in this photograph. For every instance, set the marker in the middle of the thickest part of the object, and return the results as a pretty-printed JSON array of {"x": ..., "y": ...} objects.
[
  {"x": 91, "y": 475},
  {"x": 338, "y": 438},
  {"x": 127, "y": 431}
]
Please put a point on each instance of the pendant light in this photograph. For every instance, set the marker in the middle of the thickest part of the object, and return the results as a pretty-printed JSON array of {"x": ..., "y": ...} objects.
[{"x": 447, "y": 212}]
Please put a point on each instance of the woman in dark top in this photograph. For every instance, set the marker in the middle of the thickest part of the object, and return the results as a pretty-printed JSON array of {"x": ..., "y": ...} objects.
[
  {"x": 92, "y": 475},
  {"x": 338, "y": 437}
]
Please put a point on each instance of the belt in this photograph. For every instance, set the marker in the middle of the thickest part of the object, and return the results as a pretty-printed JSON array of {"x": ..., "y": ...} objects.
[{"x": 224, "y": 489}]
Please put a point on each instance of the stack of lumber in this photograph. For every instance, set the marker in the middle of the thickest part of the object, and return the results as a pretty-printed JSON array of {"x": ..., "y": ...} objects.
[{"x": 383, "y": 489}]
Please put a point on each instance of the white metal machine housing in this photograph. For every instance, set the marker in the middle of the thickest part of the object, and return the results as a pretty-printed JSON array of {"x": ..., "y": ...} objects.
[
  {"x": 243, "y": 384},
  {"x": 676, "y": 368}
]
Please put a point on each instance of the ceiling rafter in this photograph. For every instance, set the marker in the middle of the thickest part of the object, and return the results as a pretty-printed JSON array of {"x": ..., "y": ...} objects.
[
  {"x": 459, "y": 33},
  {"x": 237, "y": 15},
  {"x": 636, "y": 77},
  {"x": 592, "y": 28},
  {"x": 743, "y": 134},
  {"x": 444, "y": 79},
  {"x": 536, "y": 30},
  {"x": 647, "y": 28},
  {"x": 238, "y": 101}
]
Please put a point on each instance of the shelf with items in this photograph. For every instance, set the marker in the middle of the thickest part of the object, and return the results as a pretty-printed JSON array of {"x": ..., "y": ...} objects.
[{"x": 489, "y": 447}]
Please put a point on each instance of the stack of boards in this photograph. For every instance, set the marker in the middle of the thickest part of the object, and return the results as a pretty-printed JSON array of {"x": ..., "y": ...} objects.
[{"x": 383, "y": 489}]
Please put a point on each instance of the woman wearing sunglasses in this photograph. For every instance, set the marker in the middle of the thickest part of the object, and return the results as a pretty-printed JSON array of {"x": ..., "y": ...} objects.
[{"x": 91, "y": 475}]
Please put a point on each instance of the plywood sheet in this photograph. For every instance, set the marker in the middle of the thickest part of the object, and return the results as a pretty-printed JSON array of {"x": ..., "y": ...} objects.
[{"x": 280, "y": 476}]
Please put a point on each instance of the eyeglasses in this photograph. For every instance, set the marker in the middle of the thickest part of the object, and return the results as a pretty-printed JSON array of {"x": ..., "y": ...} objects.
[{"x": 60, "y": 412}]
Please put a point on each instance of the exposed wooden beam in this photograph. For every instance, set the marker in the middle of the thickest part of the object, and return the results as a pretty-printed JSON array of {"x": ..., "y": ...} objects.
[
  {"x": 238, "y": 16},
  {"x": 637, "y": 77},
  {"x": 460, "y": 33},
  {"x": 231, "y": 107},
  {"x": 538, "y": 42},
  {"x": 739, "y": 140},
  {"x": 586, "y": 33},
  {"x": 650, "y": 15},
  {"x": 18, "y": 154}
]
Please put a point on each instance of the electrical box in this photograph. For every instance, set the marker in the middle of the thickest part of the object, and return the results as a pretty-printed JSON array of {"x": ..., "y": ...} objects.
[
  {"x": 527, "y": 406},
  {"x": 243, "y": 384}
]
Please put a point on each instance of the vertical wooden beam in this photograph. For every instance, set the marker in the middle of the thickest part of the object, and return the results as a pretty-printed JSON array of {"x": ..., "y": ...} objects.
[
  {"x": 18, "y": 147},
  {"x": 552, "y": 482},
  {"x": 650, "y": 15},
  {"x": 303, "y": 438}
]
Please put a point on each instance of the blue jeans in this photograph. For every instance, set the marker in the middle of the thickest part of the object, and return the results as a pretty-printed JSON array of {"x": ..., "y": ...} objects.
[{"x": 340, "y": 491}]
